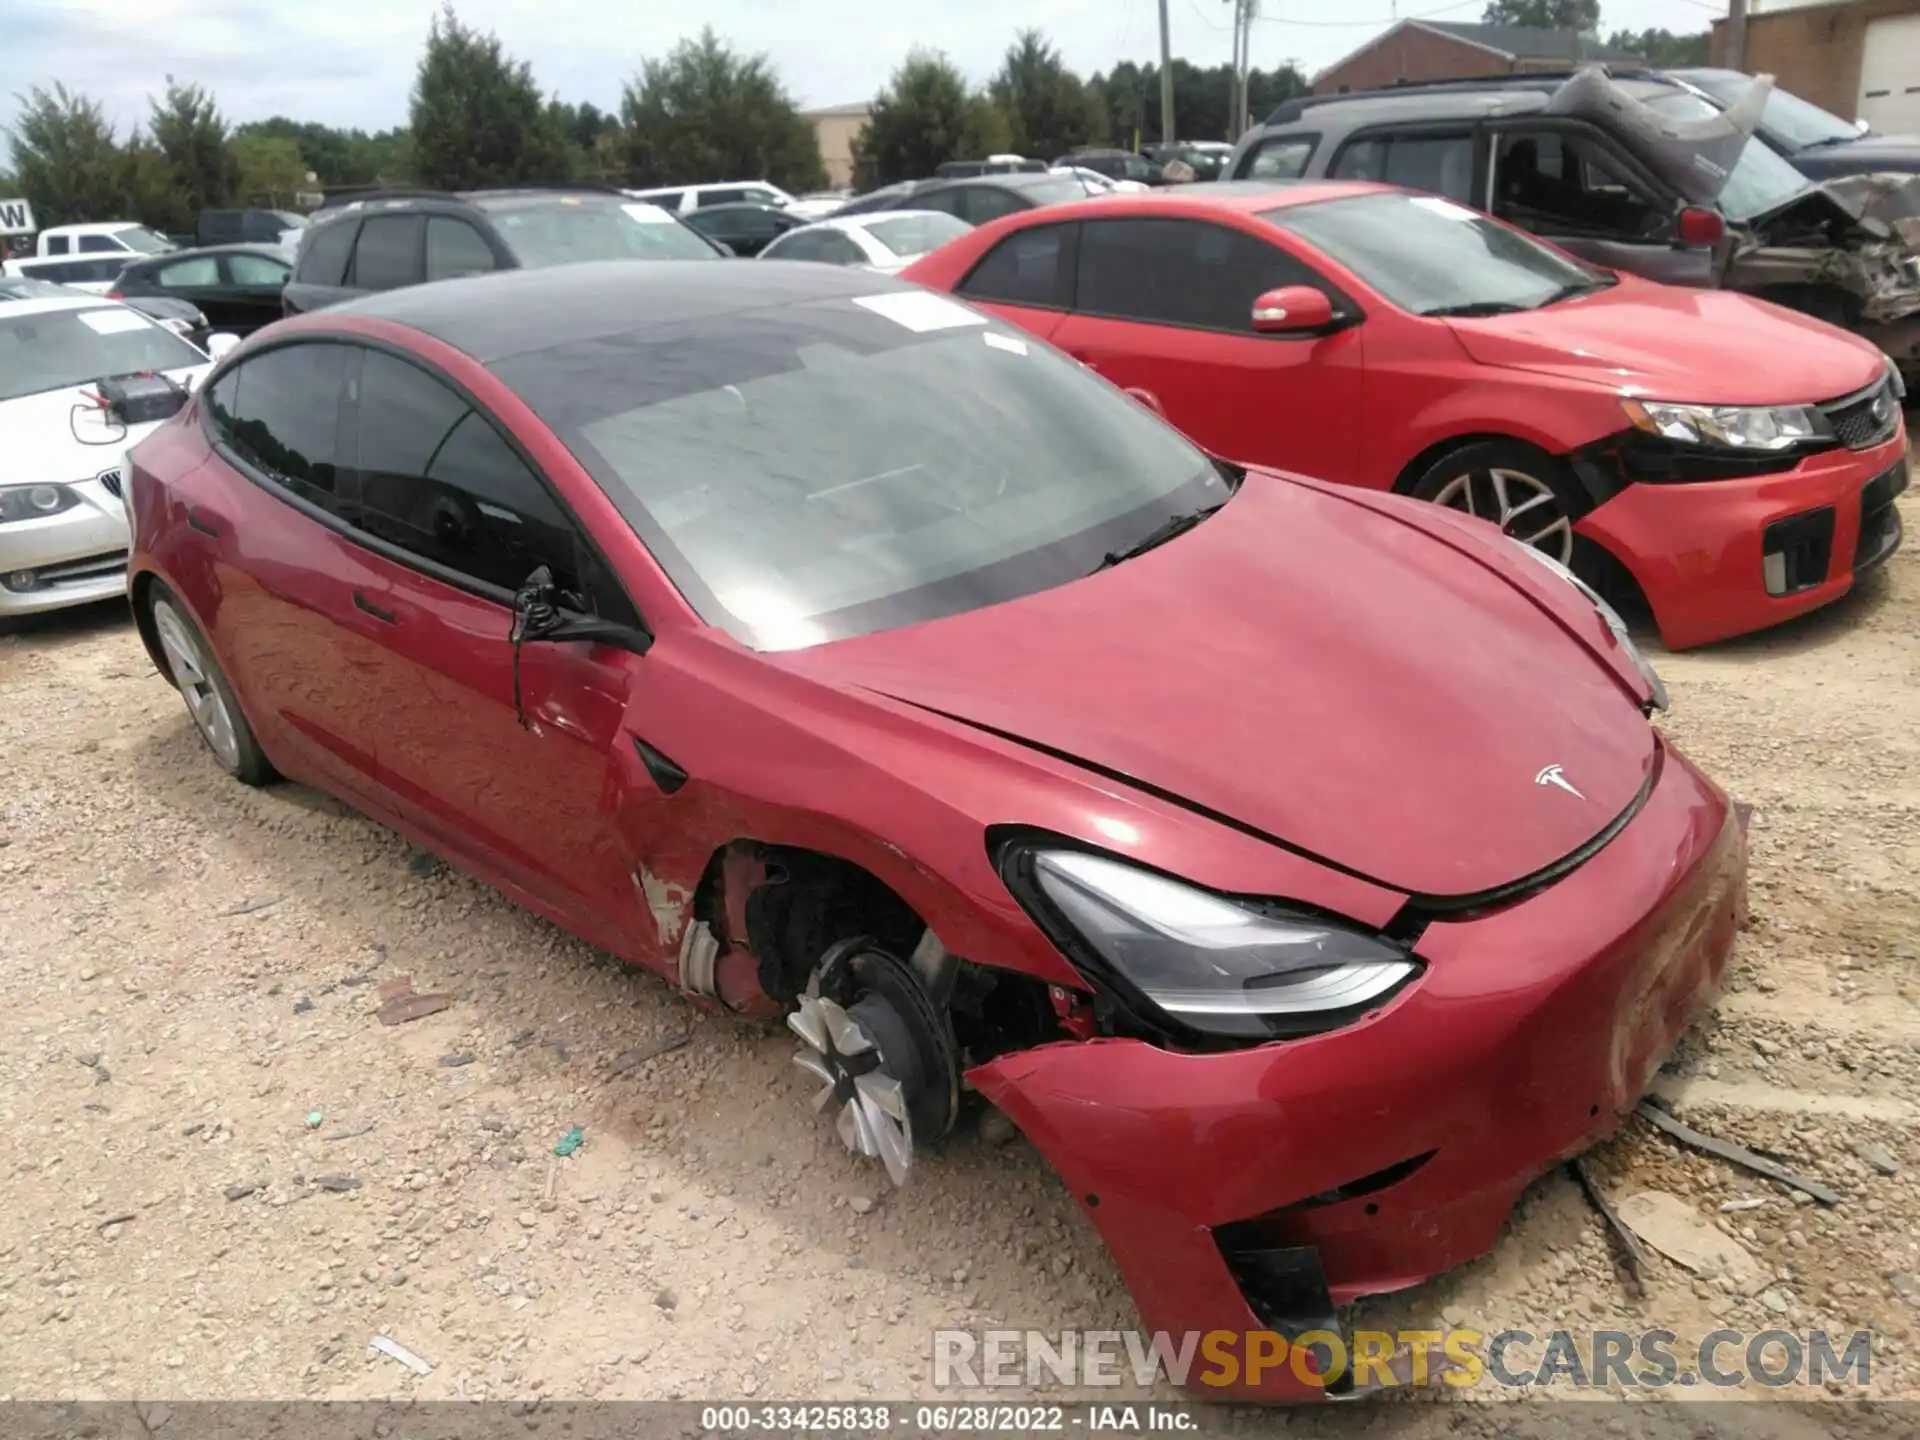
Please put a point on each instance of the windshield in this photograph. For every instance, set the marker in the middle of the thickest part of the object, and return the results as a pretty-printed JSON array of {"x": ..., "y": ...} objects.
[
  {"x": 58, "y": 349},
  {"x": 908, "y": 235},
  {"x": 1429, "y": 255},
  {"x": 569, "y": 230},
  {"x": 815, "y": 472},
  {"x": 1798, "y": 123},
  {"x": 1761, "y": 179},
  {"x": 138, "y": 237}
]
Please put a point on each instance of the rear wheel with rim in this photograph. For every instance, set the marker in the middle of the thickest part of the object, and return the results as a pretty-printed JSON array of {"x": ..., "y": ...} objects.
[
  {"x": 210, "y": 701},
  {"x": 1525, "y": 491}
]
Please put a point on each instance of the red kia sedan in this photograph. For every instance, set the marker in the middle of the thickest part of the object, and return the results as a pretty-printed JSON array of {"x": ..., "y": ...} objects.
[
  {"x": 1728, "y": 463},
  {"x": 1296, "y": 865}
]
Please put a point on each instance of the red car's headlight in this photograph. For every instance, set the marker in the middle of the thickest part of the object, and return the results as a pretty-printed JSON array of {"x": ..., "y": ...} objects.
[{"x": 1205, "y": 962}]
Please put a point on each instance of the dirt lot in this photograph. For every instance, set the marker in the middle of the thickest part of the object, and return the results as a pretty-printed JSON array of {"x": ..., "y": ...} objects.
[{"x": 219, "y": 1176}]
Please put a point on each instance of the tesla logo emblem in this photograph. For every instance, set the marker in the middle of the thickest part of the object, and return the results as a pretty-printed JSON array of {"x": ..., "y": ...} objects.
[{"x": 1552, "y": 776}]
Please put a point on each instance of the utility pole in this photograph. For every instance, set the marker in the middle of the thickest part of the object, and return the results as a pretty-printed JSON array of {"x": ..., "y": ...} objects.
[
  {"x": 1234, "y": 83},
  {"x": 1166, "y": 79},
  {"x": 1249, "y": 10},
  {"x": 1736, "y": 56}
]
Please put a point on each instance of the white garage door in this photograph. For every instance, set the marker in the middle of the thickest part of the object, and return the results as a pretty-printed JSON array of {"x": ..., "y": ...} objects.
[{"x": 1890, "y": 75}]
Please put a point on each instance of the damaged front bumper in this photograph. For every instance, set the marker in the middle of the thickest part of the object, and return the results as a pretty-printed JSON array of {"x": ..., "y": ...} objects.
[{"x": 1255, "y": 1190}]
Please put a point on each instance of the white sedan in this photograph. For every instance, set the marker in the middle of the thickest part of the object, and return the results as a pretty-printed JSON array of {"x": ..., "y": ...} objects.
[
  {"x": 63, "y": 529},
  {"x": 883, "y": 240}
]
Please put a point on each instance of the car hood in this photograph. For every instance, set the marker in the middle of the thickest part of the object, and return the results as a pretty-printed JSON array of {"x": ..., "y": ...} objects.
[
  {"x": 38, "y": 446},
  {"x": 1695, "y": 157},
  {"x": 1312, "y": 669},
  {"x": 1710, "y": 346}
]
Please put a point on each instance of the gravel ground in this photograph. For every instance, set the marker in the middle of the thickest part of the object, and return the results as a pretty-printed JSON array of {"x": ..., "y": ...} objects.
[{"x": 220, "y": 1175}]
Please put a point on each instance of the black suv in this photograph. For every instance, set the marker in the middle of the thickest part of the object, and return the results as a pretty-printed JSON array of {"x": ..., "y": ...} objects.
[{"x": 402, "y": 238}]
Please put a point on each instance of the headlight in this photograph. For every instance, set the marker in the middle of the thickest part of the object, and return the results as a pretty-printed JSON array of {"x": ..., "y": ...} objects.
[
  {"x": 34, "y": 502},
  {"x": 1731, "y": 427},
  {"x": 1621, "y": 637},
  {"x": 1214, "y": 965}
]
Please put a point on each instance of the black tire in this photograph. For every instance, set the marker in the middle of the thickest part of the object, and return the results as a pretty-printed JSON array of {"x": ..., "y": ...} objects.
[
  {"x": 1541, "y": 499},
  {"x": 211, "y": 704}
]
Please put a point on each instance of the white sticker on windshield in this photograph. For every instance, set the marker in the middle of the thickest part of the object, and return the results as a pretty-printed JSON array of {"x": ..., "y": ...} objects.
[
  {"x": 919, "y": 311},
  {"x": 113, "y": 322},
  {"x": 648, "y": 214},
  {"x": 1006, "y": 343},
  {"x": 1439, "y": 206}
]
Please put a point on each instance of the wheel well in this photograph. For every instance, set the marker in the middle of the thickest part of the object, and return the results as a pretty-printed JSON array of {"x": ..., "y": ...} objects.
[
  {"x": 143, "y": 584},
  {"x": 786, "y": 905},
  {"x": 1404, "y": 482}
]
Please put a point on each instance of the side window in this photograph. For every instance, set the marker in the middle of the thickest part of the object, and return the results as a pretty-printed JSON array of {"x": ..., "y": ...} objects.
[
  {"x": 190, "y": 274},
  {"x": 981, "y": 203},
  {"x": 437, "y": 480},
  {"x": 324, "y": 259},
  {"x": 798, "y": 247},
  {"x": 1031, "y": 267},
  {"x": 1281, "y": 159},
  {"x": 455, "y": 248},
  {"x": 948, "y": 202},
  {"x": 1181, "y": 272},
  {"x": 1439, "y": 164},
  {"x": 280, "y": 411},
  {"x": 1563, "y": 183},
  {"x": 57, "y": 245},
  {"x": 723, "y": 196},
  {"x": 256, "y": 270},
  {"x": 665, "y": 199},
  {"x": 100, "y": 245},
  {"x": 837, "y": 249},
  {"x": 388, "y": 255}
]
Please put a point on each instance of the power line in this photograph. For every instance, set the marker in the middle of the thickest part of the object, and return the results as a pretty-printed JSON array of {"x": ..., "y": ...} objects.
[{"x": 1387, "y": 20}]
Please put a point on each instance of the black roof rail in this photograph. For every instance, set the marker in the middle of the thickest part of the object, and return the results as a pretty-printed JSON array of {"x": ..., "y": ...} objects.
[
  {"x": 1289, "y": 111},
  {"x": 592, "y": 186}
]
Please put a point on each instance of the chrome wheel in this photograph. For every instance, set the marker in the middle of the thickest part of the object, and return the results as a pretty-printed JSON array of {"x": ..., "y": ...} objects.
[
  {"x": 872, "y": 1104},
  {"x": 192, "y": 674},
  {"x": 1523, "y": 507}
]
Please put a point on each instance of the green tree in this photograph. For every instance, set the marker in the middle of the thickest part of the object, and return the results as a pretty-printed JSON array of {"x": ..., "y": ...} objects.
[
  {"x": 478, "y": 118},
  {"x": 338, "y": 157},
  {"x": 148, "y": 188},
  {"x": 1047, "y": 108},
  {"x": 1581, "y": 15},
  {"x": 1202, "y": 99},
  {"x": 187, "y": 127},
  {"x": 1662, "y": 48},
  {"x": 65, "y": 158},
  {"x": 272, "y": 171},
  {"x": 924, "y": 117},
  {"x": 707, "y": 112}
]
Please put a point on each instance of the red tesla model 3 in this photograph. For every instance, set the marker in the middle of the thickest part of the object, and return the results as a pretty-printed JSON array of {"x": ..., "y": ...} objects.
[
  {"x": 1729, "y": 462},
  {"x": 1295, "y": 864}
]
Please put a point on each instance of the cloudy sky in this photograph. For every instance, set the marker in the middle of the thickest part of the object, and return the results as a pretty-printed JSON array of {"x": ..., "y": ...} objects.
[{"x": 351, "y": 62}]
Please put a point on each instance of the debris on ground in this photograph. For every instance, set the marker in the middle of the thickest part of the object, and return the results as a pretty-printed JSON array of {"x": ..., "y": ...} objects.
[
  {"x": 302, "y": 1006},
  {"x": 249, "y": 907},
  {"x": 1735, "y": 1154},
  {"x": 354, "y": 1133},
  {"x": 1677, "y": 1231},
  {"x": 400, "y": 1004},
  {"x": 860, "y": 1204},
  {"x": 1745, "y": 1202},
  {"x": 119, "y": 1219},
  {"x": 315, "y": 1119},
  {"x": 242, "y": 1189},
  {"x": 629, "y": 1060},
  {"x": 1879, "y": 1158},
  {"x": 570, "y": 1142},
  {"x": 996, "y": 1128},
  {"x": 338, "y": 1184},
  {"x": 381, "y": 1345},
  {"x": 1638, "y": 1260},
  {"x": 455, "y": 1061},
  {"x": 425, "y": 864}
]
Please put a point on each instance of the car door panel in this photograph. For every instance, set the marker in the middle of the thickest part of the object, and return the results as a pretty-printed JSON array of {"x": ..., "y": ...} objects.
[{"x": 1251, "y": 398}]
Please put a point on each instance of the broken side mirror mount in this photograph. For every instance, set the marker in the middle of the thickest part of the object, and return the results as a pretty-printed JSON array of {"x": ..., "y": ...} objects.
[{"x": 1699, "y": 226}]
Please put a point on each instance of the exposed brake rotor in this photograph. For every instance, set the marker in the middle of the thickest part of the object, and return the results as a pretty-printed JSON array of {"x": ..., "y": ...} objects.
[{"x": 882, "y": 1052}]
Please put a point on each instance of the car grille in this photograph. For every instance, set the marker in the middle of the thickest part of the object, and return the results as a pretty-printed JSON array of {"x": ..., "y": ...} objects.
[
  {"x": 91, "y": 568},
  {"x": 1866, "y": 418},
  {"x": 110, "y": 482}
]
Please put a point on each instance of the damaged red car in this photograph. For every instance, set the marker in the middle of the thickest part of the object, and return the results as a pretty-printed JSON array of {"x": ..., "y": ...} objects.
[{"x": 1296, "y": 865}]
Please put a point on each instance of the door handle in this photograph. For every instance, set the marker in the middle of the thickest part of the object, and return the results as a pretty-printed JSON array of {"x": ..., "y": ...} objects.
[
  {"x": 1148, "y": 399},
  {"x": 197, "y": 521},
  {"x": 361, "y": 603}
]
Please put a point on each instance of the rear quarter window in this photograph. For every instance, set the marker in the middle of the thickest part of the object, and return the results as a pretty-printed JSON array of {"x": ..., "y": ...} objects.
[
  {"x": 1282, "y": 158},
  {"x": 323, "y": 259}
]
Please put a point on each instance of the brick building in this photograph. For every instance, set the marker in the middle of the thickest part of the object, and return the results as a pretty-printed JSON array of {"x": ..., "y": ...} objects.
[{"x": 1416, "y": 50}]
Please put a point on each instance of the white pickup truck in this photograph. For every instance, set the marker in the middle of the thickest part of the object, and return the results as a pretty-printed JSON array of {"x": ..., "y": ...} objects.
[{"x": 87, "y": 257}]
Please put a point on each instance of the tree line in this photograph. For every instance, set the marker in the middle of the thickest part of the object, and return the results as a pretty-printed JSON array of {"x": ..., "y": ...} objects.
[{"x": 477, "y": 117}]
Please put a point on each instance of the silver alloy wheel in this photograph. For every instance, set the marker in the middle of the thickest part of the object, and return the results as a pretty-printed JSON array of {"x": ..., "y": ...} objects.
[
  {"x": 853, "y": 1074},
  {"x": 204, "y": 701},
  {"x": 1525, "y": 508}
]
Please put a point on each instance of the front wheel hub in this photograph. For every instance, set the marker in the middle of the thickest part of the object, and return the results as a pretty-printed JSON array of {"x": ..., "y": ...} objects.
[{"x": 882, "y": 1053}]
